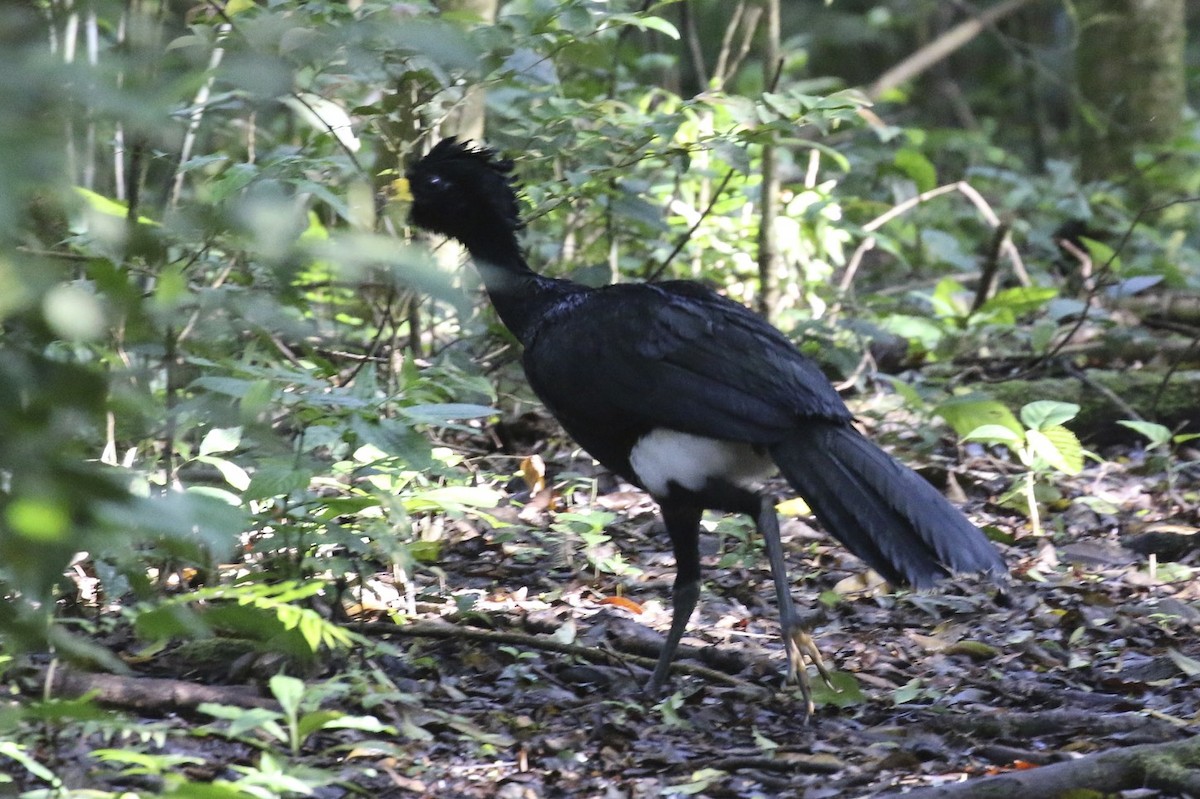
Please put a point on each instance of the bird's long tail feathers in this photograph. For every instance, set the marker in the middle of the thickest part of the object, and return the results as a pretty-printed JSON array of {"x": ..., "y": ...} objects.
[{"x": 882, "y": 511}]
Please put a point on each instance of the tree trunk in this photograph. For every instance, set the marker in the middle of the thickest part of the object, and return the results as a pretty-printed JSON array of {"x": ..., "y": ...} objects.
[
  {"x": 768, "y": 251},
  {"x": 1130, "y": 78}
]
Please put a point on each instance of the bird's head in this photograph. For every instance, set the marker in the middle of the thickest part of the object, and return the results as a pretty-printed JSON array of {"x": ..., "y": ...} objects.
[{"x": 461, "y": 191}]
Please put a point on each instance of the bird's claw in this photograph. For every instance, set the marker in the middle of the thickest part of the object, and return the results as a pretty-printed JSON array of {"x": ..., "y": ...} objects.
[{"x": 802, "y": 650}]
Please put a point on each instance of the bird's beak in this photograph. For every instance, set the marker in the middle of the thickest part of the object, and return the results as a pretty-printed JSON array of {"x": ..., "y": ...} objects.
[{"x": 401, "y": 191}]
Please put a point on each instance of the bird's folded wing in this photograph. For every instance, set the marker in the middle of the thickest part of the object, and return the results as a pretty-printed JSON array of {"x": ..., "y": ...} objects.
[{"x": 677, "y": 355}]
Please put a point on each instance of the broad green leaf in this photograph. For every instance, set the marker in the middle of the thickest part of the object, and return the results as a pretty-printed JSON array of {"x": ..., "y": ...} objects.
[
  {"x": 925, "y": 332},
  {"x": 966, "y": 414},
  {"x": 450, "y": 497},
  {"x": 647, "y": 22},
  {"x": 102, "y": 204},
  {"x": 38, "y": 519},
  {"x": 1020, "y": 300},
  {"x": 1102, "y": 254},
  {"x": 1048, "y": 413},
  {"x": 844, "y": 693},
  {"x": 1058, "y": 447},
  {"x": 994, "y": 434},
  {"x": 916, "y": 166},
  {"x": 316, "y": 721},
  {"x": 221, "y": 439},
  {"x": 289, "y": 691},
  {"x": 949, "y": 299},
  {"x": 232, "y": 473},
  {"x": 445, "y": 412},
  {"x": 911, "y": 397},
  {"x": 1157, "y": 433},
  {"x": 276, "y": 478},
  {"x": 238, "y": 6}
]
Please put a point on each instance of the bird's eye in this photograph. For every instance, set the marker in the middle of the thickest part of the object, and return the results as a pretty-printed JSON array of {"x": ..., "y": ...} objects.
[{"x": 437, "y": 182}]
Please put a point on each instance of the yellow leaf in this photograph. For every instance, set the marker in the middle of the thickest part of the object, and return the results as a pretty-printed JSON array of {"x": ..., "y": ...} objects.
[
  {"x": 234, "y": 7},
  {"x": 793, "y": 507}
]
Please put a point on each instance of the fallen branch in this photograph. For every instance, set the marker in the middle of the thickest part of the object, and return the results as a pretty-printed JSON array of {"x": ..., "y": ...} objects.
[
  {"x": 1173, "y": 767},
  {"x": 1052, "y": 722},
  {"x": 150, "y": 694},
  {"x": 508, "y": 638}
]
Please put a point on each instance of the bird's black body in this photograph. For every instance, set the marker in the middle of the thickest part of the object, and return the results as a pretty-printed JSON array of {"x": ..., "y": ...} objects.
[{"x": 694, "y": 398}]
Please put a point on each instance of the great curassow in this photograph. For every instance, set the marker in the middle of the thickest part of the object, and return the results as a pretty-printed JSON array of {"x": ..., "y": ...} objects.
[{"x": 695, "y": 399}]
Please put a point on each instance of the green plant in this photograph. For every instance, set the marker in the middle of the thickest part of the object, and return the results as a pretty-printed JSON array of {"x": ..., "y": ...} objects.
[
  {"x": 301, "y": 716},
  {"x": 1162, "y": 439},
  {"x": 588, "y": 527},
  {"x": 1044, "y": 446}
]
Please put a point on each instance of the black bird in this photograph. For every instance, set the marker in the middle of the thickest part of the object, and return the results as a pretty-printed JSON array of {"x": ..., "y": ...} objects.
[{"x": 695, "y": 399}]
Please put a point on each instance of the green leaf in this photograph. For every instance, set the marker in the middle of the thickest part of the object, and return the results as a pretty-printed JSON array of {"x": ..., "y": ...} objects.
[
  {"x": 315, "y": 722},
  {"x": 949, "y": 299},
  {"x": 1058, "y": 447},
  {"x": 234, "y": 475},
  {"x": 1102, "y": 254},
  {"x": 647, "y": 22},
  {"x": 845, "y": 692},
  {"x": 1048, "y": 413},
  {"x": 288, "y": 691},
  {"x": 445, "y": 412},
  {"x": 994, "y": 434},
  {"x": 968, "y": 413},
  {"x": 103, "y": 205},
  {"x": 221, "y": 439},
  {"x": 906, "y": 693},
  {"x": 453, "y": 497},
  {"x": 917, "y": 167},
  {"x": 18, "y": 753},
  {"x": 1158, "y": 434},
  {"x": 1019, "y": 301},
  {"x": 925, "y": 332},
  {"x": 276, "y": 478}
]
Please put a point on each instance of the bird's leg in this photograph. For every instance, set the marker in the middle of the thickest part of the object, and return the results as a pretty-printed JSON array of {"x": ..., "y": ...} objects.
[
  {"x": 797, "y": 642},
  {"x": 683, "y": 525}
]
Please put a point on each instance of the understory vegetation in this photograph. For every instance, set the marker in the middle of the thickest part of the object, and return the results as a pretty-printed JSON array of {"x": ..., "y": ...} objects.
[{"x": 279, "y": 515}]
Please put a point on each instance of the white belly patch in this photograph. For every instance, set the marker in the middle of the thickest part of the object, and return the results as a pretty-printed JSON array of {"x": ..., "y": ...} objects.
[{"x": 662, "y": 457}]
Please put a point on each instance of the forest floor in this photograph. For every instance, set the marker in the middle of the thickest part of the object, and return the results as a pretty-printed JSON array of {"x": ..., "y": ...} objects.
[{"x": 517, "y": 670}]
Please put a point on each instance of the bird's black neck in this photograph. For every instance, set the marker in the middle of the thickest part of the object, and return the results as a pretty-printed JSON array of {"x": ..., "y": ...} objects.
[{"x": 521, "y": 296}]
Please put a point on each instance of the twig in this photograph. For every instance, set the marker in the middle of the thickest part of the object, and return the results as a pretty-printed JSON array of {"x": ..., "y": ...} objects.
[
  {"x": 1174, "y": 367},
  {"x": 941, "y": 47},
  {"x": 731, "y": 27},
  {"x": 797, "y": 763},
  {"x": 691, "y": 231},
  {"x": 1094, "y": 287},
  {"x": 746, "y": 17},
  {"x": 991, "y": 266},
  {"x": 1110, "y": 395},
  {"x": 199, "y": 103},
  {"x": 544, "y": 643},
  {"x": 963, "y": 188}
]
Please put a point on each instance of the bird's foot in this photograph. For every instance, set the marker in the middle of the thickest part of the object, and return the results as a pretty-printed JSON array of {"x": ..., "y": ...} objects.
[{"x": 802, "y": 650}]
